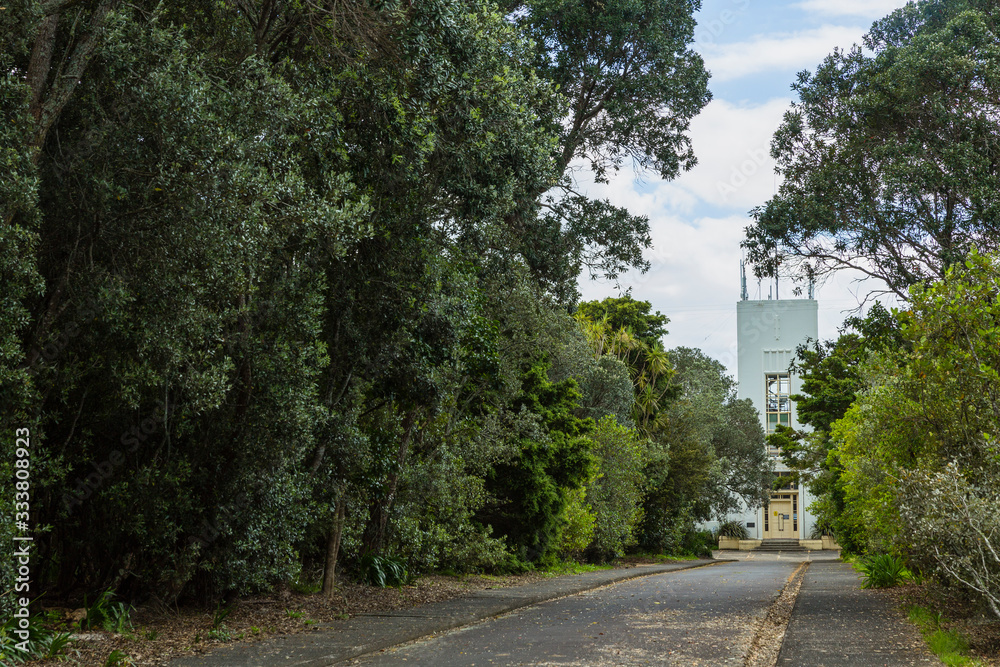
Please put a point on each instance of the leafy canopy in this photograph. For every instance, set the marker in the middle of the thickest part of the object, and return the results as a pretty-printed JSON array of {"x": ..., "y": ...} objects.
[
  {"x": 632, "y": 86},
  {"x": 889, "y": 157}
]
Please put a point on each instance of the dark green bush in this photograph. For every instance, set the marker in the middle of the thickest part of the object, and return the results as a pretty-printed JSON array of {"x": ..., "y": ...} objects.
[
  {"x": 699, "y": 543},
  {"x": 530, "y": 490}
]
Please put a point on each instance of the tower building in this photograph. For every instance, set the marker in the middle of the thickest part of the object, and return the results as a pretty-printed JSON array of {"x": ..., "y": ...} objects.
[{"x": 768, "y": 332}]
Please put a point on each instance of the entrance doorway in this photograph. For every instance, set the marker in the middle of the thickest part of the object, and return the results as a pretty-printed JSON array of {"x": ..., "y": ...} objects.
[{"x": 781, "y": 518}]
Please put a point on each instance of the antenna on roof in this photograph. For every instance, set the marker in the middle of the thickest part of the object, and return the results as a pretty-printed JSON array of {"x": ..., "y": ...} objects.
[{"x": 743, "y": 281}]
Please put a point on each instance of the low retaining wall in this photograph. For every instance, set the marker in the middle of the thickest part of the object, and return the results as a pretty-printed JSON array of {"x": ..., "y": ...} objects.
[{"x": 731, "y": 543}]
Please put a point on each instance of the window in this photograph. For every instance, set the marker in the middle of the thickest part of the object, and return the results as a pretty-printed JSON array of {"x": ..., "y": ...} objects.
[{"x": 777, "y": 404}]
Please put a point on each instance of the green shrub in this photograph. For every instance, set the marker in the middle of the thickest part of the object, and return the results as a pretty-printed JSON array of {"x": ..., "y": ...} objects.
[
  {"x": 882, "y": 571},
  {"x": 577, "y": 523},
  {"x": 107, "y": 615},
  {"x": 41, "y": 642},
  {"x": 514, "y": 565},
  {"x": 733, "y": 529},
  {"x": 530, "y": 490},
  {"x": 383, "y": 571},
  {"x": 616, "y": 495},
  {"x": 699, "y": 543}
]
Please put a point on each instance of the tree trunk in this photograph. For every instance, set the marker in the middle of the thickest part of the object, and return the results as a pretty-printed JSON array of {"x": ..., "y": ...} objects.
[
  {"x": 373, "y": 539},
  {"x": 333, "y": 547}
]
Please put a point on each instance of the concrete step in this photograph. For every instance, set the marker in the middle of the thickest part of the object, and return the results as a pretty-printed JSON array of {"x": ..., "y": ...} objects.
[{"x": 780, "y": 545}]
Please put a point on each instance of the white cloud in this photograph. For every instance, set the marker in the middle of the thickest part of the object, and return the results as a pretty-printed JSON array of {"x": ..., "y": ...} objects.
[
  {"x": 796, "y": 51},
  {"x": 734, "y": 173},
  {"x": 735, "y": 170},
  {"x": 873, "y": 9}
]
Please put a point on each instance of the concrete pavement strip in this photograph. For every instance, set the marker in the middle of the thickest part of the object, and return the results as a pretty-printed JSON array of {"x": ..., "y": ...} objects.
[
  {"x": 837, "y": 624},
  {"x": 340, "y": 641}
]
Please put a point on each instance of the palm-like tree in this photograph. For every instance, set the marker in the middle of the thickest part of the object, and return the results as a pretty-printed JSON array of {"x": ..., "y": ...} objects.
[{"x": 649, "y": 367}]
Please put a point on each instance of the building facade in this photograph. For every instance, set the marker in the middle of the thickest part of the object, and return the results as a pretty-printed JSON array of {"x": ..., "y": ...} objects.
[{"x": 768, "y": 332}]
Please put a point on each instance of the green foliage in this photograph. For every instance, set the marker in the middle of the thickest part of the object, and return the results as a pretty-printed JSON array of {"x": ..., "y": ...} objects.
[
  {"x": 257, "y": 267},
  {"x": 734, "y": 529},
  {"x": 442, "y": 489},
  {"x": 221, "y": 634},
  {"x": 606, "y": 391},
  {"x": 699, "y": 543},
  {"x": 303, "y": 586},
  {"x": 577, "y": 523},
  {"x": 829, "y": 371},
  {"x": 831, "y": 378},
  {"x": 41, "y": 642},
  {"x": 19, "y": 275},
  {"x": 629, "y": 314},
  {"x": 616, "y": 495},
  {"x": 918, "y": 447},
  {"x": 220, "y": 614},
  {"x": 383, "y": 571},
  {"x": 949, "y": 645},
  {"x": 623, "y": 329},
  {"x": 118, "y": 659},
  {"x": 107, "y": 615},
  {"x": 924, "y": 618},
  {"x": 716, "y": 454},
  {"x": 885, "y": 157},
  {"x": 531, "y": 490},
  {"x": 882, "y": 571},
  {"x": 634, "y": 86},
  {"x": 572, "y": 567}
]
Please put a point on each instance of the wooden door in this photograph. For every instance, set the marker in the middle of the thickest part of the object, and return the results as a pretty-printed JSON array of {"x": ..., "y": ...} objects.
[{"x": 779, "y": 520}]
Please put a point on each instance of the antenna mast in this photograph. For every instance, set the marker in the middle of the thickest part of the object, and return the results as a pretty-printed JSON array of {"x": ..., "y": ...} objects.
[{"x": 743, "y": 281}]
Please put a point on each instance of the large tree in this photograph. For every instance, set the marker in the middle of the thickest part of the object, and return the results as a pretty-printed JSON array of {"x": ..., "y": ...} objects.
[
  {"x": 258, "y": 229},
  {"x": 919, "y": 446},
  {"x": 891, "y": 156},
  {"x": 623, "y": 328},
  {"x": 831, "y": 382},
  {"x": 633, "y": 86}
]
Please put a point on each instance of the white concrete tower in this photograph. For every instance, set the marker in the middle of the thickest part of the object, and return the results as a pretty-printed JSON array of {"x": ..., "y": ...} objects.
[{"x": 768, "y": 332}]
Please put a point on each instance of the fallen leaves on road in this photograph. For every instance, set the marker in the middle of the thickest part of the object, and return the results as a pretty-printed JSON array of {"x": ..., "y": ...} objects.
[{"x": 163, "y": 634}]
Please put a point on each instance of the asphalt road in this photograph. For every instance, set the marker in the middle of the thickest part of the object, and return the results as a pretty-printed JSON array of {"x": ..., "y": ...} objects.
[{"x": 702, "y": 616}]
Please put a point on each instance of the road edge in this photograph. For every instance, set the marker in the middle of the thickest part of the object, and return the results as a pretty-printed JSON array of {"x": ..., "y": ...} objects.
[{"x": 514, "y": 605}]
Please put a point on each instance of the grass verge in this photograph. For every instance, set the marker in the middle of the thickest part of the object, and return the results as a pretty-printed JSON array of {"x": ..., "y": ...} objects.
[{"x": 948, "y": 645}]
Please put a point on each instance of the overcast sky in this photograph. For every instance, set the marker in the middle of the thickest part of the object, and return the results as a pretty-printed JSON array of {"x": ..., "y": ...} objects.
[{"x": 753, "y": 49}]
